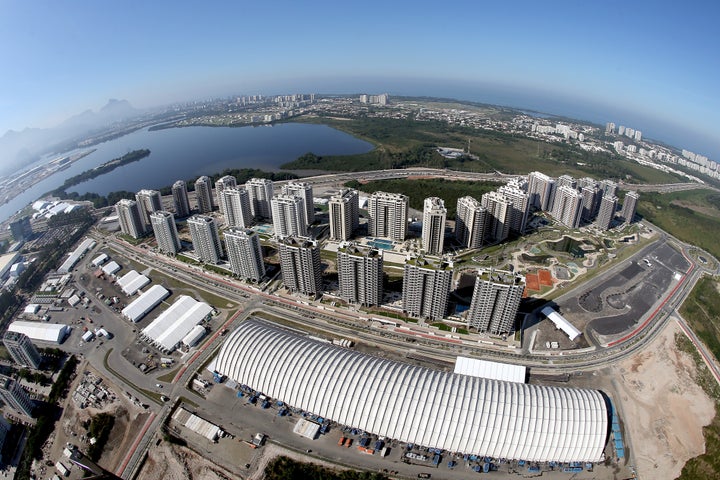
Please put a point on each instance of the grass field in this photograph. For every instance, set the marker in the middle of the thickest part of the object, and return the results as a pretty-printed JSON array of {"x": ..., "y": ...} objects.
[
  {"x": 401, "y": 143},
  {"x": 692, "y": 216}
]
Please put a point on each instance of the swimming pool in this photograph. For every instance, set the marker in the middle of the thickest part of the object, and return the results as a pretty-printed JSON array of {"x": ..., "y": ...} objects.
[{"x": 381, "y": 243}]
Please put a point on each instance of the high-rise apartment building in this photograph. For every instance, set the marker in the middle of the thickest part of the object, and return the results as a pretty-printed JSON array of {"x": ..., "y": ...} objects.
[
  {"x": 608, "y": 187},
  {"x": 426, "y": 288},
  {"x": 433, "y": 228},
  {"x": 360, "y": 274},
  {"x": 235, "y": 204},
  {"x": 540, "y": 189},
  {"x": 244, "y": 253},
  {"x": 344, "y": 213},
  {"x": 305, "y": 191},
  {"x": 609, "y": 128},
  {"x": 520, "y": 206},
  {"x": 300, "y": 265},
  {"x": 131, "y": 222},
  {"x": 205, "y": 238},
  {"x": 288, "y": 216},
  {"x": 630, "y": 206},
  {"x": 14, "y": 396},
  {"x": 148, "y": 201},
  {"x": 387, "y": 215},
  {"x": 608, "y": 206},
  {"x": 499, "y": 210},
  {"x": 638, "y": 136},
  {"x": 567, "y": 207},
  {"x": 260, "y": 191},
  {"x": 203, "y": 194},
  {"x": 180, "y": 199},
  {"x": 22, "y": 350},
  {"x": 495, "y": 301},
  {"x": 165, "y": 230},
  {"x": 591, "y": 195},
  {"x": 470, "y": 222},
  {"x": 228, "y": 181}
]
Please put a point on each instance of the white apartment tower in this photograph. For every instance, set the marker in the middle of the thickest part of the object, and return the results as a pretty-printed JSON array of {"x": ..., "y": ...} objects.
[
  {"x": 387, "y": 215},
  {"x": 608, "y": 187},
  {"x": 426, "y": 288},
  {"x": 305, "y": 191},
  {"x": 165, "y": 230},
  {"x": 148, "y": 201},
  {"x": 433, "y": 228},
  {"x": 360, "y": 274},
  {"x": 591, "y": 194},
  {"x": 22, "y": 350},
  {"x": 540, "y": 188},
  {"x": 470, "y": 222},
  {"x": 203, "y": 193},
  {"x": 300, "y": 265},
  {"x": 244, "y": 253},
  {"x": 520, "y": 206},
  {"x": 630, "y": 206},
  {"x": 234, "y": 202},
  {"x": 495, "y": 301},
  {"x": 131, "y": 222},
  {"x": 205, "y": 238},
  {"x": 228, "y": 181},
  {"x": 14, "y": 396},
  {"x": 180, "y": 199},
  {"x": 499, "y": 210},
  {"x": 608, "y": 206},
  {"x": 567, "y": 207},
  {"x": 288, "y": 216},
  {"x": 261, "y": 192},
  {"x": 344, "y": 212}
]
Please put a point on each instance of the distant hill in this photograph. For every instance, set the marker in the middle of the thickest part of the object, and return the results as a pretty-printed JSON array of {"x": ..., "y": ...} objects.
[{"x": 19, "y": 148}]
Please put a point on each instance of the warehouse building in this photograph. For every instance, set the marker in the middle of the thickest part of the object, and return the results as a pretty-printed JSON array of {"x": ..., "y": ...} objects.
[
  {"x": 175, "y": 323},
  {"x": 413, "y": 404},
  {"x": 145, "y": 303},
  {"x": 131, "y": 282},
  {"x": 41, "y": 332},
  {"x": 76, "y": 255}
]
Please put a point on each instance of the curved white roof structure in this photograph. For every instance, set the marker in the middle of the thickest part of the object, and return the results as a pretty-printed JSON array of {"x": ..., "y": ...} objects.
[{"x": 417, "y": 405}]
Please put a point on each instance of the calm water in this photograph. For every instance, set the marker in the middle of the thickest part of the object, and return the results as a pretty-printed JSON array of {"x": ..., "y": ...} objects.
[{"x": 185, "y": 153}]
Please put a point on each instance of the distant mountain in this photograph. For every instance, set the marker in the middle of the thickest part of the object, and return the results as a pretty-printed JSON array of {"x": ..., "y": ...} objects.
[{"x": 20, "y": 148}]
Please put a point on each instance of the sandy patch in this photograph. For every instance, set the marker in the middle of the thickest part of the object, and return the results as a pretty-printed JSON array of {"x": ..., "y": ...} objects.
[
  {"x": 173, "y": 462},
  {"x": 662, "y": 408}
]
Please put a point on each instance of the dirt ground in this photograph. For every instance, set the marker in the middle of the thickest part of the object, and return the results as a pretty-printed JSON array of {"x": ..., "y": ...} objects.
[
  {"x": 173, "y": 462},
  {"x": 662, "y": 408}
]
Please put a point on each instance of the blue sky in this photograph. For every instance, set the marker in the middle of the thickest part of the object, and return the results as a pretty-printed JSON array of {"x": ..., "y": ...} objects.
[{"x": 651, "y": 65}]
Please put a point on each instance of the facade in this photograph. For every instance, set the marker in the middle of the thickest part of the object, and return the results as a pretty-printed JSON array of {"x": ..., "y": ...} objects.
[
  {"x": 260, "y": 191},
  {"x": 426, "y": 288},
  {"x": 180, "y": 199},
  {"x": 300, "y": 265},
  {"x": 540, "y": 188},
  {"x": 344, "y": 213},
  {"x": 591, "y": 195},
  {"x": 418, "y": 405},
  {"x": 630, "y": 206},
  {"x": 288, "y": 216},
  {"x": 14, "y": 396},
  {"x": 520, "y": 206},
  {"x": 433, "y": 229},
  {"x": 203, "y": 194},
  {"x": 608, "y": 206},
  {"x": 228, "y": 181},
  {"x": 163, "y": 225},
  {"x": 22, "y": 350},
  {"x": 499, "y": 211},
  {"x": 387, "y": 215},
  {"x": 360, "y": 275},
  {"x": 470, "y": 222},
  {"x": 234, "y": 202},
  {"x": 567, "y": 207},
  {"x": 245, "y": 254},
  {"x": 495, "y": 301},
  {"x": 305, "y": 191},
  {"x": 131, "y": 223},
  {"x": 205, "y": 238},
  {"x": 148, "y": 201},
  {"x": 608, "y": 187}
]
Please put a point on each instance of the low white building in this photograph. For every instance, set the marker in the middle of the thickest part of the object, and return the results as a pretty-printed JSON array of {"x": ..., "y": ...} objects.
[
  {"x": 192, "y": 338},
  {"x": 111, "y": 268},
  {"x": 76, "y": 255},
  {"x": 40, "y": 331},
  {"x": 561, "y": 323},
  {"x": 145, "y": 303},
  {"x": 175, "y": 323},
  {"x": 131, "y": 282}
]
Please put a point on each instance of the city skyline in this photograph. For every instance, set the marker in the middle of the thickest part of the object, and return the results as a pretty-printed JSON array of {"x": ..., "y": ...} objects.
[{"x": 589, "y": 61}]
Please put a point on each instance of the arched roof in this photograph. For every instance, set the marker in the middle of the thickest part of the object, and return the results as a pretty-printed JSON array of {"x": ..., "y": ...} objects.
[{"x": 414, "y": 404}]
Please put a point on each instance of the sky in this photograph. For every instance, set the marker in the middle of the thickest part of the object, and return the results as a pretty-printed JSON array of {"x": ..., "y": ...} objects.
[{"x": 650, "y": 65}]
